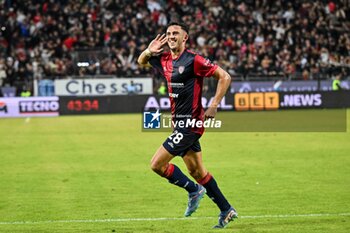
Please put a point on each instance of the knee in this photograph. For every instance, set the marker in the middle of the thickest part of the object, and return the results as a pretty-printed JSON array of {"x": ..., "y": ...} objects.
[{"x": 157, "y": 167}]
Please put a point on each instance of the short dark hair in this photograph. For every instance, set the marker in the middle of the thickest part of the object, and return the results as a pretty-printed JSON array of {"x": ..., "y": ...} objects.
[{"x": 182, "y": 25}]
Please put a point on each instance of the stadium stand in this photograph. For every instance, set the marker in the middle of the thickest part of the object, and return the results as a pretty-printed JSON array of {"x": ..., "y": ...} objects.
[{"x": 253, "y": 40}]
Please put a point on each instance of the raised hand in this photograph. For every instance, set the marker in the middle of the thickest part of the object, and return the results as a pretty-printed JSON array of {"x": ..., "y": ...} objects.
[{"x": 156, "y": 45}]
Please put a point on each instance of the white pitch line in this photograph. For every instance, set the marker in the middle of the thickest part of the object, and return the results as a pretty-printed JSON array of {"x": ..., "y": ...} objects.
[{"x": 168, "y": 219}]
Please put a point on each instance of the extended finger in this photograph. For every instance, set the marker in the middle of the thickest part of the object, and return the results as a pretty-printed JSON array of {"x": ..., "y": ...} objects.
[
  {"x": 157, "y": 37},
  {"x": 164, "y": 40},
  {"x": 159, "y": 50},
  {"x": 162, "y": 37}
]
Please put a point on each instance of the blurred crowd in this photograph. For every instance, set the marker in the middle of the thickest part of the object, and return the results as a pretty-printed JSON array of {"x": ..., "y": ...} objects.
[{"x": 300, "y": 39}]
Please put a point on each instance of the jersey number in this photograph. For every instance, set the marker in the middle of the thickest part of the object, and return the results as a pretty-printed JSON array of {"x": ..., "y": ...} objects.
[{"x": 177, "y": 138}]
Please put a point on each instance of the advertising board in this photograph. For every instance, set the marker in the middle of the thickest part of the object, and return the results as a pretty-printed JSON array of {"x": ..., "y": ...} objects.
[
  {"x": 103, "y": 87},
  {"x": 29, "y": 106}
]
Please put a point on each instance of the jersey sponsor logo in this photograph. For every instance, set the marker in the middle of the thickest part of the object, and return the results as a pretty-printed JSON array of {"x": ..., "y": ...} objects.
[
  {"x": 181, "y": 69},
  {"x": 173, "y": 95},
  {"x": 176, "y": 84},
  {"x": 151, "y": 120},
  {"x": 3, "y": 107}
]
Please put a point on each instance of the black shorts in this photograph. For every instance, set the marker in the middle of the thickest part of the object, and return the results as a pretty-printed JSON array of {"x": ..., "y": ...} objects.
[{"x": 181, "y": 141}]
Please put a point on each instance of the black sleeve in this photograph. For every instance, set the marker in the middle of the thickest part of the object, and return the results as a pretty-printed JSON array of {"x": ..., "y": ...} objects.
[{"x": 155, "y": 62}]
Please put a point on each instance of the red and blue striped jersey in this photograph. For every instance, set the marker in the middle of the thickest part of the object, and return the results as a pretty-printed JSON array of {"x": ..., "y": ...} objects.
[{"x": 184, "y": 76}]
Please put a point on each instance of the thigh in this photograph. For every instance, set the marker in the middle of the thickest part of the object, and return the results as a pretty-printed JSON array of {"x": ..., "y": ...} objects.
[
  {"x": 194, "y": 164},
  {"x": 161, "y": 158}
]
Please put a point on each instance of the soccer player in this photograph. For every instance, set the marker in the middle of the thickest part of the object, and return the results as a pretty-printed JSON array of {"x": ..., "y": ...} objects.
[{"x": 184, "y": 72}]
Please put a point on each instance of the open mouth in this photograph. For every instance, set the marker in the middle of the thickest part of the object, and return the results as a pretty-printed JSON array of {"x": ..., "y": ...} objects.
[{"x": 172, "y": 42}]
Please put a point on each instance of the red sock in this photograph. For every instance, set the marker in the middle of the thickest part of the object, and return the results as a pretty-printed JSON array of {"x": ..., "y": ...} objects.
[
  {"x": 205, "y": 180},
  {"x": 169, "y": 170}
]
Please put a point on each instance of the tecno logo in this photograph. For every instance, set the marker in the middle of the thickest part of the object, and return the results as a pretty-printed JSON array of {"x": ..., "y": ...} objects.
[
  {"x": 301, "y": 100},
  {"x": 44, "y": 106},
  {"x": 3, "y": 107}
]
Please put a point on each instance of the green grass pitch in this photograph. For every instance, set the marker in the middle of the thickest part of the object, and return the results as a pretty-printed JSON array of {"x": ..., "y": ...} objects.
[{"x": 91, "y": 174}]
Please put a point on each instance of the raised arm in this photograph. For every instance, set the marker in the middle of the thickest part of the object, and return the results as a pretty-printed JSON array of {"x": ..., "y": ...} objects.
[
  {"x": 154, "y": 48},
  {"x": 224, "y": 81}
]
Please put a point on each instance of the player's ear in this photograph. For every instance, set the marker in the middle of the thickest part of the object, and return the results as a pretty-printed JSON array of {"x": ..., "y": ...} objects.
[{"x": 185, "y": 37}]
